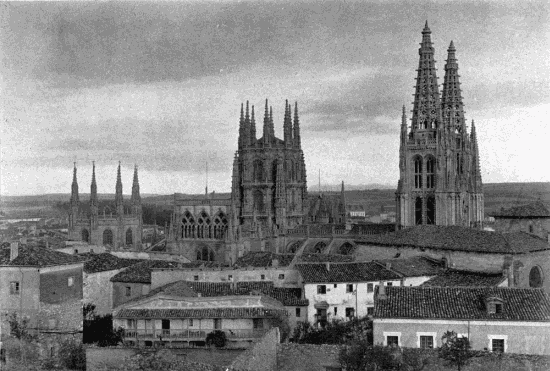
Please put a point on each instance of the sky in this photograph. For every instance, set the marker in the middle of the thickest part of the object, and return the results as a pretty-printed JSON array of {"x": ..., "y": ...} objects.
[{"x": 160, "y": 84}]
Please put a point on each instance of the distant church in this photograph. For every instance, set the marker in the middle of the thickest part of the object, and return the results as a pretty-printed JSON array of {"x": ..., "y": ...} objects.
[
  {"x": 440, "y": 179},
  {"x": 118, "y": 228}
]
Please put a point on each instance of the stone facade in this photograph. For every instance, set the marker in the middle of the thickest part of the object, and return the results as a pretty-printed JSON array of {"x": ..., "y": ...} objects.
[
  {"x": 440, "y": 179},
  {"x": 115, "y": 229}
]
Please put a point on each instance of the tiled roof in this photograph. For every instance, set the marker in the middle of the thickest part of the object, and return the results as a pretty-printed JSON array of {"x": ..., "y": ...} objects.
[
  {"x": 141, "y": 272},
  {"x": 263, "y": 259},
  {"x": 322, "y": 258},
  {"x": 459, "y": 239},
  {"x": 533, "y": 210},
  {"x": 107, "y": 262},
  {"x": 38, "y": 257},
  {"x": 201, "y": 313},
  {"x": 286, "y": 295},
  {"x": 457, "y": 278},
  {"x": 465, "y": 303},
  {"x": 416, "y": 266},
  {"x": 372, "y": 228},
  {"x": 345, "y": 272},
  {"x": 355, "y": 207}
]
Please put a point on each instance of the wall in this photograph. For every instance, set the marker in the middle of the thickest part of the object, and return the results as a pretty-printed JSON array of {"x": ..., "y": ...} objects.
[
  {"x": 65, "y": 316},
  {"x": 26, "y": 303},
  {"x": 540, "y": 226},
  {"x": 98, "y": 289},
  {"x": 119, "y": 291},
  {"x": 262, "y": 356},
  {"x": 161, "y": 277},
  {"x": 337, "y": 297},
  {"x": 82, "y": 248},
  {"x": 523, "y": 337},
  {"x": 307, "y": 357},
  {"x": 540, "y": 259},
  {"x": 54, "y": 283}
]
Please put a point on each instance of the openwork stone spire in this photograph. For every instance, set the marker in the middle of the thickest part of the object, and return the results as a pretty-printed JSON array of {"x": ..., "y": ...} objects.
[
  {"x": 118, "y": 196},
  {"x": 252, "y": 128},
  {"x": 451, "y": 94},
  {"x": 136, "y": 197},
  {"x": 296, "y": 139},
  {"x": 476, "y": 168},
  {"x": 93, "y": 188},
  {"x": 288, "y": 125},
  {"x": 426, "y": 112},
  {"x": 74, "y": 189},
  {"x": 267, "y": 134},
  {"x": 241, "y": 127}
]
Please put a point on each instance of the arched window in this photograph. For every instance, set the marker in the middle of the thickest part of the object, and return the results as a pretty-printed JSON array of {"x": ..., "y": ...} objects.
[
  {"x": 430, "y": 210},
  {"x": 259, "y": 171},
  {"x": 293, "y": 246},
  {"x": 346, "y": 248},
  {"x": 187, "y": 225},
  {"x": 418, "y": 211},
  {"x": 108, "y": 237},
  {"x": 85, "y": 235},
  {"x": 459, "y": 167},
  {"x": 535, "y": 277},
  {"x": 417, "y": 172},
  {"x": 205, "y": 254},
  {"x": 290, "y": 175},
  {"x": 220, "y": 226},
  {"x": 129, "y": 237},
  {"x": 430, "y": 172},
  {"x": 259, "y": 201},
  {"x": 204, "y": 226},
  {"x": 319, "y": 246}
]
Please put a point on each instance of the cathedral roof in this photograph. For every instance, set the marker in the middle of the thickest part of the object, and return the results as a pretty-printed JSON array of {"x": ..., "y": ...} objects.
[
  {"x": 532, "y": 210},
  {"x": 458, "y": 239}
]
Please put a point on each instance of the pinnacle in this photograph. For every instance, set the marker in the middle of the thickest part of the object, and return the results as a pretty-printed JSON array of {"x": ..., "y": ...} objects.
[
  {"x": 426, "y": 28},
  {"x": 451, "y": 46}
]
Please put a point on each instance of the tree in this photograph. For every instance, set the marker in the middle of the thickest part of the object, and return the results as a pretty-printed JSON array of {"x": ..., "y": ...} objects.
[
  {"x": 455, "y": 350},
  {"x": 19, "y": 327},
  {"x": 99, "y": 329},
  {"x": 282, "y": 323},
  {"x": 218, "y": 338},
  {"x": 72, "y": 355}
]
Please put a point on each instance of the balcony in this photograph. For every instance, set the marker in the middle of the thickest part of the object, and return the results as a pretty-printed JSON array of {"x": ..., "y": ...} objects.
[{"x": 190, "y": 335}]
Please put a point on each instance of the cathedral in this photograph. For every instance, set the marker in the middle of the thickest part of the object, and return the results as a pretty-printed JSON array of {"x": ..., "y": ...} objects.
[
  {"x": 440, "y": 179},
  {"x": 116, "y": 229}
]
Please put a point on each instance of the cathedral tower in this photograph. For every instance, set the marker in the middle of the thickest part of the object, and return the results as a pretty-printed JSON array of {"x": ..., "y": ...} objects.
[
  {"x": 440, "y": 181},
  {"x": 269, "y": 191},
  {"x": 74, "y": 202}
]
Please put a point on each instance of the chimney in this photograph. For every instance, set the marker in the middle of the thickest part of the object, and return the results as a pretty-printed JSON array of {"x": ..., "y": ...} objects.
[
  {"x": 14, "y": 250},
  {"x": 511, "y": 275},
  {"x": 382, "y": 292},
  {"x": 328, "y": 266},
  {"x": 388, "y": 265},
  {"x": 275, "y": 263}
]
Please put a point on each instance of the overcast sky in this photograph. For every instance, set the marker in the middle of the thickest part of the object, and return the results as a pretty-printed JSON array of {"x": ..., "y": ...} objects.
[{"x": 160, "y": 85}]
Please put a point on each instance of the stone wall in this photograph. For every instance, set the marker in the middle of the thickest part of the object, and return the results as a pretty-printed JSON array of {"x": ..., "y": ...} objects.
[
  {"x": 262, "y": 356},
  {"x": 307, "y": 357},
  {"x": 98, "y": 290}
]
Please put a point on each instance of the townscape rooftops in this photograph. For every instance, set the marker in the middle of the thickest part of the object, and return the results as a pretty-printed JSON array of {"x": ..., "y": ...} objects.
[
  {"x": 263, "y": 259},
  {"x": 287, "y": 296},
  {"x": 35, "y": 256},
  {"x": 107, "y": 262},
  {"x": 345, "y": 272},
  {"x": 416, "y": 266},
  {"x": 462, "y": 303},
  {"x": 458, "y": 278},
  {"x": 322, "y": 258},
  {"x": 141, "y": 272},
  {"x": 458, "y": 239},
  {"x": 533, "y": 210},
  {"x": 254, "y": 312}
]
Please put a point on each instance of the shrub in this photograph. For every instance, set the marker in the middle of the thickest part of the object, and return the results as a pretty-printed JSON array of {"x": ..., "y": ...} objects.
[
  {"x": 217, "y": 338},
  {"x": 72, "y": 355}
]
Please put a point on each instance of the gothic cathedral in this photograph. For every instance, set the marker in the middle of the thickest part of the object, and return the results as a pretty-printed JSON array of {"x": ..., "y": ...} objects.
[
  {"x": 440, "y": 179},
  {"x": 268, "y": 192}
]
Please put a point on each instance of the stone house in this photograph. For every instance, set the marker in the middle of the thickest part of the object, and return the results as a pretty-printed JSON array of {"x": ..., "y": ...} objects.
[
  {"x": 45, "y": 287},
  {"x": 532, "y": 218},
  {"x": 177, "y": 315},
  {"x": 514, "y": 320}
]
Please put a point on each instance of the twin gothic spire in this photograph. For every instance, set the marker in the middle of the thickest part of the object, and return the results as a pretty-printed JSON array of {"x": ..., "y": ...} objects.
[{"x": 247, "y": 127}]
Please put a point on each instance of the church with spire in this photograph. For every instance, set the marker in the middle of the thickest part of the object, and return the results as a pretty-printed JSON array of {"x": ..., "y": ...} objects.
[
  {"x": 118, "y": 228},
  {"x": 440, "y": 178}
]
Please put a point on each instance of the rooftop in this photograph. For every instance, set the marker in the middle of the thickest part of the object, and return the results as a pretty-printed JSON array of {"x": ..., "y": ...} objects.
[
  {"x": 462, "y": 303},
  {"x": 107, "y": 262},
  {"x": 322, "y": 258},
  {"x": 458, "y": 239},
  {"x": 141, "y": 272},
  {"x": 534, "y": 210},
  {"x": 254, "y": 312},
  {"x": 458, "y": 278},
  {"x": 263, "y": 259},
  {"x": 35, "y": 256},
  {"x": 345, "y": 272},
  {"x": 416, "y": 266}
]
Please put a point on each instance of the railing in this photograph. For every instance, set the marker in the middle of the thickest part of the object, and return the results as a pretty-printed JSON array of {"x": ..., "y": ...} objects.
[{"x": 173, "y": 334}]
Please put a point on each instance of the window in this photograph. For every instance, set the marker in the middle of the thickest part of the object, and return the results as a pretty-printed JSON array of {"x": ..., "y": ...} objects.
[
  {"x": 130, "y": 323},
  {"x": 535, "y": 277},
  {"x": 321, "y": 289},
  {"x": 370, "y": 311},
  {"x": 335, "y": 285},
  {"x": 70, "y": 281},
  {"x": 190, "y": 322},
  {"x": 196, "y": 278},
  {"x": 14, "y": 288},
  {"x": 217, "y": 323},
  {"x": 498, "y": 308},
  {"x": 389, "y": 283},
  {"x": 108, "y": 237},
  {"x": 257, "y": 323},
  {"x": 230, "y": 277},
  {"x": 392, "y": 340},
  {"x": 281, "y": 276},
  {"x": 531, "y": 229},
  {"x": 92, "y": 251},
  {"x": 128, "y": 291},
  {"x": 129, "y": 237},
  {"x": 418, "y": 210},
  {"x": 418, "y": 172},
  {"x": 350, "y": 312},
  {"x": 335, "y": 311},
  {"x": 298, "y": 312},
  {"x": 430, "y": 176},
  {"x": 370, "y": 287},
  {"x": 262, "y": 276},
  {"x": 349, "y": 287},
  {"x": 497, "y": 343},
  {"x": 430, "y": 210},
  {"x": 76, "y": 251},
  {"x": 426, "y": 341},
  {"x": 165, "y": 323}
]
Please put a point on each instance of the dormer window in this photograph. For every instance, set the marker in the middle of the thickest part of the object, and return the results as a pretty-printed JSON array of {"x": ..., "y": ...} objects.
[{"x": 495, "y": 305}]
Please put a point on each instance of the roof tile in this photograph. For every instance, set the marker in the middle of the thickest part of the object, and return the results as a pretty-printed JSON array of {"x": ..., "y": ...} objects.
[{"x": 345, "y": 272}]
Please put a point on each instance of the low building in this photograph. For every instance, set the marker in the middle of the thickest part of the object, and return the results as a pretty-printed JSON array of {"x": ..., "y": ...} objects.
[
  {"x": 414, "y": 271},
  {"x": 342, "y": 290},
  {"x": 44, "y": 287},
  {"x": 177, "y": 316},
  {"x": 532, "y": 218},
  {"x": 511, "y": 320},
  {"x": 356, "y": 211}
]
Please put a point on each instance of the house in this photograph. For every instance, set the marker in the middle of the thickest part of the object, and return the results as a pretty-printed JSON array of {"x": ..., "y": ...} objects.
[
  {"x": 342, "y": 290},
  {"x": 356, "y": 211},
  {"x": 414, "y": 271},
  {"x": 98, "y": 271},
  {"x": 176, "y": 315},
  {"x": 45, "y": 287},
  {"x": 532, "y": 218},
  {"x": 524, "y": 256},
  {"x": 498, "y": 319}
]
